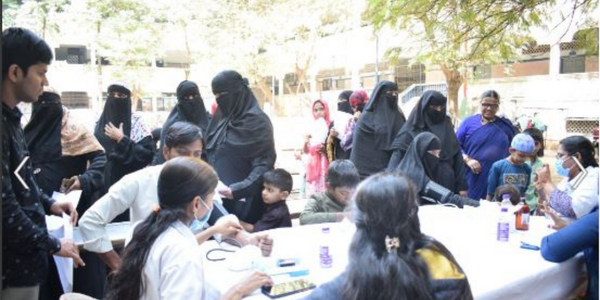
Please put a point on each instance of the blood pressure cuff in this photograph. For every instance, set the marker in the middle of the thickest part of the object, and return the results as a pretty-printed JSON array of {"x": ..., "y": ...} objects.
[{"x": 435, "y": 193}]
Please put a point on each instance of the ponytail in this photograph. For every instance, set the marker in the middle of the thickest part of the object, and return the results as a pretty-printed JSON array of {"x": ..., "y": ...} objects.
[{"x": 127, "y": 282}]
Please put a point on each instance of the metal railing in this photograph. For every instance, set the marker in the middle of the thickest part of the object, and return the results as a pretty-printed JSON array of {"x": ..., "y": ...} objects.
[{"x": 416, "y": 90}]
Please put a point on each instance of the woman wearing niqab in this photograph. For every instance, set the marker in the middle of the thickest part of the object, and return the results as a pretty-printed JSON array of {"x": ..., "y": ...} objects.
[
  {"x": 63, "y": 148},
  {"x": 430, "y": 115},
  {"x": 190, "y": 108},
  {"x": 134, "y": 150},
  {"x": 378, "y": 125},
  {"x": 240, "y": 146}
]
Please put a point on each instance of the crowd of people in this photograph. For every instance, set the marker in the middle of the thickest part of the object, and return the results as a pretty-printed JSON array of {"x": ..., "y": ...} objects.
[{"x": 213, "y": 176}]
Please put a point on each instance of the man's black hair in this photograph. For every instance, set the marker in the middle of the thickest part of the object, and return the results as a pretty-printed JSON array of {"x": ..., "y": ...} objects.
[{"x": 24, "y": 48}]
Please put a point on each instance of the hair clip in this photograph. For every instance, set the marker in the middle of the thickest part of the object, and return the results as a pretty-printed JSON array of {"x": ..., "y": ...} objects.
[
  {"x": 391, "y": 243},
  {"x": 157, "y": 209}
]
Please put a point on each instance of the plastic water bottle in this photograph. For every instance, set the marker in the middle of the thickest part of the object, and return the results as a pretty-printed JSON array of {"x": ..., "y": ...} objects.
[
  {"x": 505, "y": 200},
  {"x": 325, "y": 259},
  {"x": 503, "y": 230}
]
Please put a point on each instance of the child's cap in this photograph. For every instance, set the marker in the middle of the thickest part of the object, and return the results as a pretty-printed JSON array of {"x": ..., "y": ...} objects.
[{"x": 523, "y": 142}]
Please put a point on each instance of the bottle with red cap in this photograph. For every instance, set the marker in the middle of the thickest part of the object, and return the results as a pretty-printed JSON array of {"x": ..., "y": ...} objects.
[{"x": 522, "y": 219}]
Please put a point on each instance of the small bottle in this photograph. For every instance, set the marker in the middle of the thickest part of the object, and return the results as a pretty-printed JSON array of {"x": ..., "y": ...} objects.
[
  {"x": 503, "y": 230},
  {"x": 522, "y": 220},
  {"x": 505, "y": 200},
  {"x": 325, "y": 259}
]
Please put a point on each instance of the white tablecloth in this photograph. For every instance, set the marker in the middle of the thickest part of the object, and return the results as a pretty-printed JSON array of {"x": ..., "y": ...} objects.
[{"x": 495, "y": 270}]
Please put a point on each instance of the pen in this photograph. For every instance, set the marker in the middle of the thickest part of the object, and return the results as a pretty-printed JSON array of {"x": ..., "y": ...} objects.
[{"x": 529, "y": 246}]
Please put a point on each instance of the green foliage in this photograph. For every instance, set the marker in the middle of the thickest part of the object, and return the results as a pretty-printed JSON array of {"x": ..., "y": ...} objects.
[
  {"x": 455, "y": 33},
  {"x": 587, "y": 39},
  {"x": 10, "y": 9}
]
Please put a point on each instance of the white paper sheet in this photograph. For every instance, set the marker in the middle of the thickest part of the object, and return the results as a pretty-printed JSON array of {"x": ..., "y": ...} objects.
[
  {"x": 62, "y": 228},
  {"x": 340, "y": 121}
]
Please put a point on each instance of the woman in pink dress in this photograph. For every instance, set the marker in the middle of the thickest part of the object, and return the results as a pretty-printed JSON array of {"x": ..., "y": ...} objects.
[{"x": 314, "y": 146}]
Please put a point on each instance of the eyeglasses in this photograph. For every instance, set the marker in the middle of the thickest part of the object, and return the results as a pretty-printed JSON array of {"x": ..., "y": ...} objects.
[
  {"x": 560, "y": 155},
  {"x": 118, "y": 95},
  {"x": 489, "y": 106}
]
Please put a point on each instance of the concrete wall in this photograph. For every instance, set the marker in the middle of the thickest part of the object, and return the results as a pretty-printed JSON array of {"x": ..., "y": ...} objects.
[{"x": 555, "y": 98}]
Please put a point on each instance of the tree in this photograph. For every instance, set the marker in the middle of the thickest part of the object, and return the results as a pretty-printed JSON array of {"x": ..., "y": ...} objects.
[
  {"x": 10, "y": 8},
  {"x": 455, "y": 33},
  {"x": 124, "y": 33},
  {"x": 41, "y": 16},
  {"x": 262, "y": 38}
]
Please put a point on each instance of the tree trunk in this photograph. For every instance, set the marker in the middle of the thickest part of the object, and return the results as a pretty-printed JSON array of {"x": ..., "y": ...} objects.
[
  {"x": 454, "y": 80},
  {"x": 188, "y": 51},
  {"x": 264, "y": 88},
  {"x": 44, "y": 21},
  {"x": 99, "y": 66}
]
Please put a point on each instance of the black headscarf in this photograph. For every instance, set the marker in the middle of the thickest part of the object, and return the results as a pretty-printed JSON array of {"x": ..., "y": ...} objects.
[
  {"x": 345, "y": 105},
  {"x": 450, "y": 170},
  {"x": 42, "y": 133},
  {"x": 240, "y": 144},
  {"x": 192, "y": 111},
  {"x": 116, "y": 111},
  {"x": 424, "y": 118},
  {"x": 379, "y": 123},
  {"x": 245, "y": 124},
  {"x": 418, "y": 164}
]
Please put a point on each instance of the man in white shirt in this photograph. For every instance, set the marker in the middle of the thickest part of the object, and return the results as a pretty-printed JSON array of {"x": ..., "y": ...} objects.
[{"x": 137, "y": 192}]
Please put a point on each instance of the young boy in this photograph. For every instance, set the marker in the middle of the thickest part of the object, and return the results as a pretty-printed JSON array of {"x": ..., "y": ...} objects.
[
  {"x": 328, "y": 206},
  {"x": 513, "y": 169},
  {"x": 277, "y": 187}
]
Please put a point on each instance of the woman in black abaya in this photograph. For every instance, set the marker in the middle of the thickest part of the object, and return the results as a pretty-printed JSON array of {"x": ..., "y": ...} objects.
[
  {"x": 379, "y": 123},
  {"x": 125, "y": 137},
  {"x": 62, "y": 148},
  {"x": 240, "y": 146},
  {"x": 429, "y": 115},
  {"x": 190, "y": 108},
  {"x": 421, "y": 164}
]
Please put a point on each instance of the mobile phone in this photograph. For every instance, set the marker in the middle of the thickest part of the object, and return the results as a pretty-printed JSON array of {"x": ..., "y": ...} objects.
[
  {"x": 284, "y": 289},
  {"x": 66, "y": 184}
]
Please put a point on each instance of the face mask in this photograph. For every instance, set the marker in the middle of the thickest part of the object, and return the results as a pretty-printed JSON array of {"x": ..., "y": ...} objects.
[
  {"x": 391, "y": 100},
  {"x": 559, "y": 168},
  {"x": 435, "y": 116},
  {"x": 198, "y": 224}
]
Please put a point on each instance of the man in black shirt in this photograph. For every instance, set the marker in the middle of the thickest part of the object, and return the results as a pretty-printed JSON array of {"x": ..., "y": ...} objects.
[{"x": 25, "y": 239}]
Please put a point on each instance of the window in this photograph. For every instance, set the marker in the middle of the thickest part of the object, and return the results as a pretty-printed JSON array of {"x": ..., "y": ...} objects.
[
  {"x": 342, "y": 84},
  {"x": 326, "y": 84},
  {"x": 71, "y": 54},
  {"x": 269, "y": 81},
  {"x": 572, "y": 64},
  {"x": 75, "y": 99},
  {"x": 166, "y": 102},
  {"x": 406, "y": 75},
  {"x": 145, "y": 104},
  {"x": 584, "y": 127}
]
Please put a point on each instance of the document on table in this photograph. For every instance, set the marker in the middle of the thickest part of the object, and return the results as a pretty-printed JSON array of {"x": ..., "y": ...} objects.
[{"x": 61, "y": 227}]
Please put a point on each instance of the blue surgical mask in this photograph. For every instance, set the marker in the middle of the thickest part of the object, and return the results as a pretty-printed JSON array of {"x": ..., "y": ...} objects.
[
  {"x": 198, "y": 224},
  {"x": 558, "y": 165}
]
